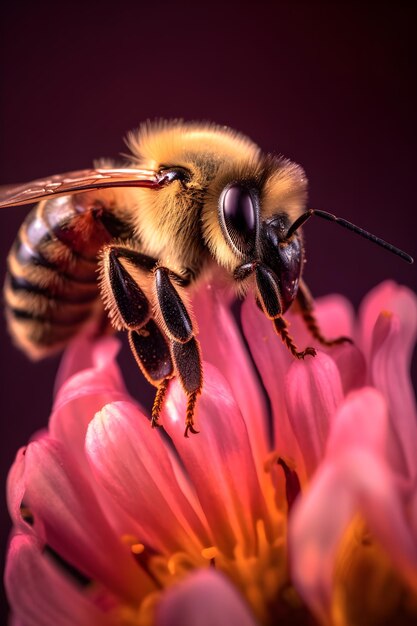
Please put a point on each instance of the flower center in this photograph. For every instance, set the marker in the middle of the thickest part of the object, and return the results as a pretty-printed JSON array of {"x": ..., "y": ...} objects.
[{"x": 259, "y": 573}]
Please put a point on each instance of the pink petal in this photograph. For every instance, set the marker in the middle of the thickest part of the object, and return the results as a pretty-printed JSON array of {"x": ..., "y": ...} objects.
[
  {"x": 75, "y": 525},
  {"x": 205, "y": 598},
  {"x": 80, "y": 397},
  {"x": 392, "y": 298},
  {"x": 313, "y": 393},
  {"x": 413, "y": 510},
  {"x": 354, "y": 477},
  {"x": 40, "y": 595},
  {"x": 361, "y": 422},
  {"x": 16, "y": 487},
  {"x": 219, "y": 461},
  {"x": 85, "y": 352},
  {"x": 131, "y": 462},
  {"x": 393, "y": 342},
  {"x": 335, "y": 317},
  {"x": 85, "y": 392},
  {"x": 17, "y": 501},
  {"x": 359, "y": 482},
  {"x": 362, "y": 428},
  {"x": 272, "y": 360},
  {"x": 381, "y": 505},
  {"x": 351, "y": 365},
  {"x": 316, "y": 527},
  {"x": 223, "y": 347}
]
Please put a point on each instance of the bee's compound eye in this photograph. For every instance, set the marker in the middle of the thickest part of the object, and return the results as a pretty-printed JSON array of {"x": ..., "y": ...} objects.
[
  {"x": 168, "y": 175},
  {"x": 239, "y": 213}
]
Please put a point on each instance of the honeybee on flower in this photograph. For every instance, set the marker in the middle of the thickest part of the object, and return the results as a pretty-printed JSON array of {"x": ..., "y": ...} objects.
[{"x": 195, "y": 200}]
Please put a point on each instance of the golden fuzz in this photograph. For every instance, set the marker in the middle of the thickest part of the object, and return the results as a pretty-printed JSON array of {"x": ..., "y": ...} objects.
[{"x": 178, "y": 224}]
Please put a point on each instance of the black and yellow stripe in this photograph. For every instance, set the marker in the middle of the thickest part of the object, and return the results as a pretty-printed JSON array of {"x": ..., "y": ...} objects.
[{"x": 51, "y": 287}]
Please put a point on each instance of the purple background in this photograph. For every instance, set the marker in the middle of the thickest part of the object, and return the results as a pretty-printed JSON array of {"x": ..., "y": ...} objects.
[{"x": 330, "y": 86}]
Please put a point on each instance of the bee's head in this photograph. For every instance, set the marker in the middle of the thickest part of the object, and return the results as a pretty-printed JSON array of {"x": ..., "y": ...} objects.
[
  {"x": 217, "y": 187},
  {"x": 246, "y": 218}
]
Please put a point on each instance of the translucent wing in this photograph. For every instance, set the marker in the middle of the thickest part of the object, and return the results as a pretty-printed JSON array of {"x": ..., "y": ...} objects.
[{"x": 74, "y": 182}]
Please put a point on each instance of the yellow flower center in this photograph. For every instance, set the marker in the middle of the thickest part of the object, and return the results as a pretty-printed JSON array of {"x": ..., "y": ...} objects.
[{"x": 260, "y": 573}]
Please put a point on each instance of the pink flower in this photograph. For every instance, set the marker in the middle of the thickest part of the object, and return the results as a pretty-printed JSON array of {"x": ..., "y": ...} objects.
[{"x": 116, "y": 524}]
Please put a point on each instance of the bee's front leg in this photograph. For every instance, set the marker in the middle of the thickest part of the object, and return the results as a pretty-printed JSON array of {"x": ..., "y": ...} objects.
[
  {"x": 268, "y": 299},
  {"x": 178, "y": 326},
  {"x": 304, "y": 301}
]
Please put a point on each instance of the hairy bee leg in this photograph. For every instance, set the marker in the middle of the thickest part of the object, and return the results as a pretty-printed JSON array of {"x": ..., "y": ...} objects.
[
  {"x": 281, "y": 328},
  {"x": 174, "y": 313},
  {"x": 184, "y": 345},
  {"x": 138, "y": 259},
  {"x": 129, "y": 309},
  {"x": 158, "y": 402},
  {"x": 306, "y": 309},
  {"x": 127, "y": 304},
  {"x": 153, "y": 355},
  {"x": 269, "y": 300},
  {"x": 189, "y": 416},
  {"x": 187, "y": 361}
]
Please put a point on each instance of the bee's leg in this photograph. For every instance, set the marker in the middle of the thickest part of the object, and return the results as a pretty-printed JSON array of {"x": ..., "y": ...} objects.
[
  {"x": 185, "y": 347},
  {"x": 190, "y": 372},
  {"x": 304, "y": 301},
  {"x": 281, "y": 328},
  {"x": 138, "y": 259},
  {"x": 127, "y": 304},
  {"x": 129, "y": 309},
  {"x": 152, "y": 353},
  {"x": 268, "y": 299}
]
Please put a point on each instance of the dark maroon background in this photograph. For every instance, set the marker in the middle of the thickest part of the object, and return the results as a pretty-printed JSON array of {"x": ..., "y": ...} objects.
[{"x": 331, "y": 86}]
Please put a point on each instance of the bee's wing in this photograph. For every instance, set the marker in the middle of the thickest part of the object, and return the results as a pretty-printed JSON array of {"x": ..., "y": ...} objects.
[{"x": 74, "y": 182}]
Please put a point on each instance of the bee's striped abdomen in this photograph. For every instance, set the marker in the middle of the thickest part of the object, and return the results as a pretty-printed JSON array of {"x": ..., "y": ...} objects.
[{"x": 51, "y": 284}]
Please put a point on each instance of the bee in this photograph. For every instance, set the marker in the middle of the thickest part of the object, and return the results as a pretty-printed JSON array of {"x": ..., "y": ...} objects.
[{"x": 127, "y": 244}]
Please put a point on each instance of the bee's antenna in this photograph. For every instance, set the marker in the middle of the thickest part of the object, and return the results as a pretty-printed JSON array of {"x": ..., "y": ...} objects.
[{"x": 359, "y": 231}]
